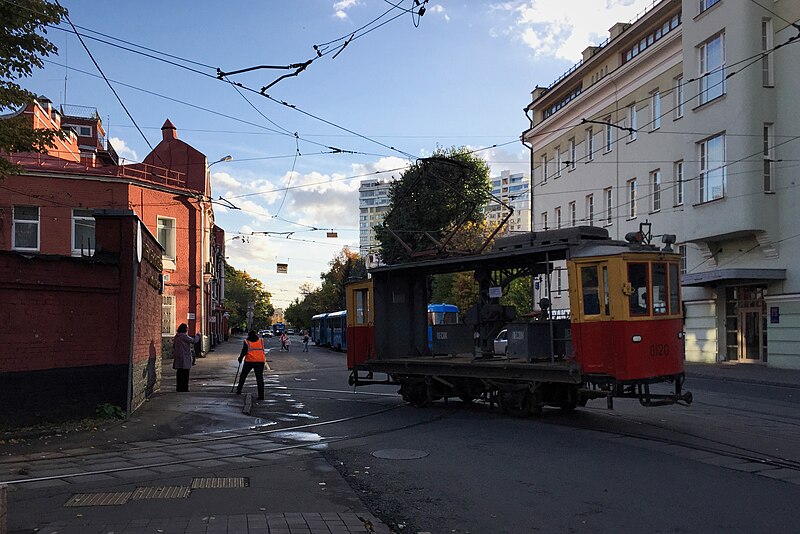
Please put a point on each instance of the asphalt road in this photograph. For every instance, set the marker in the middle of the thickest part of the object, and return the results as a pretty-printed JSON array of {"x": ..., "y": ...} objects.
[{"x": 730, "y": 462}]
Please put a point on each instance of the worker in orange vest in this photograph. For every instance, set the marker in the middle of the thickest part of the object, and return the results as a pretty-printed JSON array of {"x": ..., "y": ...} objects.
[{"x": 253, "y": 356}]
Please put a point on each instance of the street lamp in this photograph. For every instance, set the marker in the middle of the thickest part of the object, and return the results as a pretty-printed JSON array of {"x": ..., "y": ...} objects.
[{"x": 220, "y": 160}]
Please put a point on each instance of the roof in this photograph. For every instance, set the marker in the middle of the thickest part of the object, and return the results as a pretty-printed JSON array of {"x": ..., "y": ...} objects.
[{"x": 732, "y": 277}]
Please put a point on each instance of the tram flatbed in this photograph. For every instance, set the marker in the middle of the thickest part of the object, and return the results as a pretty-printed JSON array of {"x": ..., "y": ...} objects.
[{"x": 468, "y": 366}]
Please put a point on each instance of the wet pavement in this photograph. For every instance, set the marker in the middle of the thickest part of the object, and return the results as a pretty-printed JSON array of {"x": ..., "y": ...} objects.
[{"x": 186, "y": 462}]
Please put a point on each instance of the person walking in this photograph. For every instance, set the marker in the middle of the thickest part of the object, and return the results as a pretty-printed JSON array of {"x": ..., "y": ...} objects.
[
  {"x": 285, "y": 342},
  {"x": 253, "y": 356},
  {"x": 305, "y": 340},
  {"x": 182, "y": 357}
]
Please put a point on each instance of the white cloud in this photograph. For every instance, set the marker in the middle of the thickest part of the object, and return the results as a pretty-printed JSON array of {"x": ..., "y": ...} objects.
[
  {"x": 341, "y": 7},
  {"x": 123, "y": 150},
  {"x": 439, "y": 10},
  {"x": 564, "y": 28}
]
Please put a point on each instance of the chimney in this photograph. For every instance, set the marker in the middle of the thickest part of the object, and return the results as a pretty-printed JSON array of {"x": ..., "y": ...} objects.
[
  {"x": 588, "y": 52},
  {"x": 168, "y": 131},
  {"x": 615, "y": 30}
]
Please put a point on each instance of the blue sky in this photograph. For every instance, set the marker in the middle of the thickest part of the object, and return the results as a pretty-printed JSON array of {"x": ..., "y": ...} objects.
[{"x": 462, "y": 76}]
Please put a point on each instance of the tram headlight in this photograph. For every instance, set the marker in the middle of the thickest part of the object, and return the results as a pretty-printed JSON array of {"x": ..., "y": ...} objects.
[
  {"x": 636, "y": 338},
  {"x": 681, "y": 335}
]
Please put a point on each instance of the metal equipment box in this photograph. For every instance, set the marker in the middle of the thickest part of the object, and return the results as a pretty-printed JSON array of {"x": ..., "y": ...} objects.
[{"x": 531, "y": 341}]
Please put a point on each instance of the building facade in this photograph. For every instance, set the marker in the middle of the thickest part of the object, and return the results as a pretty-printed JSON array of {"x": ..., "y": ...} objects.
[
  {"x": 513, "y": 193},
  {"x": 48, "y": 209},
  {"x": 685, "y": 118},
  {"x": 373, "y": 205}
]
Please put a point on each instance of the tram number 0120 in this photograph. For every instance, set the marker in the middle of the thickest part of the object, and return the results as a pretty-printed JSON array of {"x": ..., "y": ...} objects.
[{"x": 659, "y": 349}]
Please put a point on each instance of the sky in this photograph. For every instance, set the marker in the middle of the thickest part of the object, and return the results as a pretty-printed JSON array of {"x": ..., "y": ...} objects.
[{"x": 460, "y": 75}]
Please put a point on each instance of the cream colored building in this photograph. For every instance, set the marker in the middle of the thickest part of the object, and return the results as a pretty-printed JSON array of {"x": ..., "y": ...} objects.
[{"x": 688, "y": 118}]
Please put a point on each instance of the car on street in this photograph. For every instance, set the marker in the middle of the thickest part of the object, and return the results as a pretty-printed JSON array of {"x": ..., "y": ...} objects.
[
  {"x": 290, "y": 331},
  {"x": 265, "y": 333},
  {"x": 501, "y": 343}
]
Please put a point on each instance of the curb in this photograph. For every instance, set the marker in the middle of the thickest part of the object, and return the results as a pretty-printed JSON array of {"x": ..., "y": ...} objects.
[{"x": 744, "y": 380}]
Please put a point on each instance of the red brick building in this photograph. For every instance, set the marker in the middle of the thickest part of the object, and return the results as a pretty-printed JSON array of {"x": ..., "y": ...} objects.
[{"x": 48, "y": 209}]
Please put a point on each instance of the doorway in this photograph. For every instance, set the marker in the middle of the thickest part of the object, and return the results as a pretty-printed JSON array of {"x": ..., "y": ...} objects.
[{"x": 746, "y": 324}]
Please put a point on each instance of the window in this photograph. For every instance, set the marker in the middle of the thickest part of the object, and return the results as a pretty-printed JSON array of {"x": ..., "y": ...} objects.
[
  {"x": 609, "y": 134},
  {"x": 362, "y": 306},
  {"x": 572, "y": 153},
  {"x": 166, "y": 236},
  {"x": 655, "y": 184},
  {"x": 767, "y": 42},
  {"x": 634, "y": 122},
  {"x": 639, "y": 297},
  {"x": 678, "y": 183},
  {"x": 168, "y": 318},
  {"x": 712, "y": 168},
  {"x": 655, "y": 106},
  {"x": 684, "y": 262},
  {"x": 558, "y": 217},
  {"x": 83, "y": 240},
  {"x": 589, "y": 144},
  {"x": 26, "y": 228},
  {"x": 679, "y": 97},
  {"x": 651, "y": 38},
  {"x": 712, "y": 69},
  {"x": 573, "y": 214},
  {"x": 608, "y": 206},
  {"x": 559, "y": 283},
  {"x": 632, "y": 198},
  {"x": 769, "y": 169},
  {"x": 558, "y": 161},
  {"x": 660, "y": 297},
  {"x": 674, "y": 290},
  {"x": 705, "y": 4},
  {"x": 544, "y": 168},
  {"x": 544, "y": 221},
  {"x": 590, "y": 210},
  {"x": 590, "y": 290},
  {"x": 85, "y": 131}
]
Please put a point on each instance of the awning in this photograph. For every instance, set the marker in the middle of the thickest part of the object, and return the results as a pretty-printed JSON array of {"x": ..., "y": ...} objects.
[{"x": 732, "y": 277}]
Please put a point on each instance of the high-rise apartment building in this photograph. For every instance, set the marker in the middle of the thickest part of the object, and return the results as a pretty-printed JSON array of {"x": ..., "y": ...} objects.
[
  {"x": 513, "y": 191},
  {"x": 373, "y": 204}
]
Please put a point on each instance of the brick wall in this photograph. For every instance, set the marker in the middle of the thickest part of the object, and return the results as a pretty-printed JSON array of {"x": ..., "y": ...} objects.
[{"x": 65, "y": 345}]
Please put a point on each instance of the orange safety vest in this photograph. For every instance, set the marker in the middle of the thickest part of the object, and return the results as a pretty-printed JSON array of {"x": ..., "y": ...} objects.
[{"x": 255, "y": 351}]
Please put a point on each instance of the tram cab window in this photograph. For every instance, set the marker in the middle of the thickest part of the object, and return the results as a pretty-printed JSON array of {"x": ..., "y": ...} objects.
[
  {"x": 639, "y": 297},
  {"x": 590, "y": 290},
  {"x": 362, "y": 306},
  {"x": 660, "y": 297},
  {"x": 674, "y": 289}
]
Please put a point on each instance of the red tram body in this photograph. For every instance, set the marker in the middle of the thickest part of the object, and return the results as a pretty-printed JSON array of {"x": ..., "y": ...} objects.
[{"x": 624, "y": 331}]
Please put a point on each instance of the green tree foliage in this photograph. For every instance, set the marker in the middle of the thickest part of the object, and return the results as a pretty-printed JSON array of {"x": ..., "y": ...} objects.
[
  {"x": 23, "y": 47},
  {"x": 240, "y": 289},
  {"x": 465, "y": 291},
  {"x": 431, "y": 198},
  {"x": 519, "y": 295},
  {"x": 330, "y": 296}
]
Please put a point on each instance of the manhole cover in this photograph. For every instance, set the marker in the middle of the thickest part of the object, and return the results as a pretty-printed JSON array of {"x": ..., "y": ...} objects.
[
  {"x": 160, "y": 492},
  {"x": 98, "y": 499},
  {"x": 218, "y": 483},
  {"x": 400, "y": 454}
]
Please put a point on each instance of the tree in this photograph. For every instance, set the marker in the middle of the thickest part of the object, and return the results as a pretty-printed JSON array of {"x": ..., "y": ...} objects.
[
  {"x": 21, "y": 49},
  {"x": 241, "y": 289},
  {"x": 433, "y": 197}
]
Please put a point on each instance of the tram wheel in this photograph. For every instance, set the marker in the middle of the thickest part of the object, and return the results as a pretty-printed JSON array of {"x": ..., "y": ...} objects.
[{"x": 517, "y": 403}]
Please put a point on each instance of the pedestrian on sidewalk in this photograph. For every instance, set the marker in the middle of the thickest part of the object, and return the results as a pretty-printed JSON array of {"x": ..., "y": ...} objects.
[
  {"x": 305, "y": 340},
  {"x": 253, "y": 356},
  {"x": 285, "y": 342},
  {"x": 182, "y": 358}
]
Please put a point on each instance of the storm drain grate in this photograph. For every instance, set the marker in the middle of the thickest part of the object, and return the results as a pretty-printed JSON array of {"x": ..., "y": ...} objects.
[
  {"x": 161, "y": 492},
  {"x": 98, "y": 499},
  {"x": 220, "y": 482}
]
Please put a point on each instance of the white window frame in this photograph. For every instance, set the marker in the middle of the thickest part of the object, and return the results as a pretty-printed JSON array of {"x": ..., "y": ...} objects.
[
  {"x": 78, "y": 217},
  {"x": 709, "y": 166},
  {"x": 573, "y": 214},
  {"x": 767, "y": 44},
  {"x": 680, "y": 96},
  {"x": 544, "y": 221},
  {"x": 655, "y": 110},
  {"x": 609, "y": 206},
  {"x": 170, "y": 239},
  {"x": 679, "y": 182},
  {"x": 703, "y": 5},
  {"x": 572, "y": 153},
  {"x": 589, "y": 144},
  {"x": 655, "y": 186},
  {"x": 20, "y": 222},
  {"x": 608, "y": 135},
  {"x": 634, "y": 122},
  {"x": 590, "y": 210},
  {"x": 557, "y": 216},
  {"x": 711, "y": 77},
  {"x": 168, "y": 317},
  {"x": 544, "y": 168},
  {"x": 632, "y": 194},
  {"x": 682, "y": 250},
  {"x": 769, "y": 157},
  {"x": 558, "y": 162}
]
